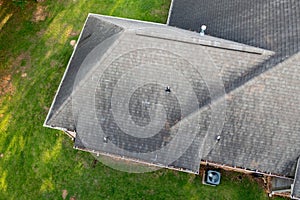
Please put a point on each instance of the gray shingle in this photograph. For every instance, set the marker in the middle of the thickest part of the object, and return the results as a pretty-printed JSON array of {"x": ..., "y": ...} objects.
[
  {"x": 269, "y": 24},
  {"x": 134, "y": 52},
  {"x": 262, "y": 125},
  {"x": 92, "y": 34}
]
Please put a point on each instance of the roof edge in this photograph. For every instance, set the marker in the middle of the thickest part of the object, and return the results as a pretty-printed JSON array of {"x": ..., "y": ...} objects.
[
  {"x": 295, "y": 179},
  {"x": 170, "y": 11},
  {"x": 134, "y": 160},
  {"x": 203, "y": 40},
  {"x": 209, "y": 42},
  {"x": 128, "y": 19},
  {"x": 65, "y": 73}
]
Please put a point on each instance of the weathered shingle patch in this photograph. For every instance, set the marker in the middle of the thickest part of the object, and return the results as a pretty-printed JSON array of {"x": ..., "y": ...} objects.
[
  {"x": 269, "y": 24},
  {"x": 93, "y": 33},
  {"x": 261, "y": 130},
  {"x": 115, "y": 48}
]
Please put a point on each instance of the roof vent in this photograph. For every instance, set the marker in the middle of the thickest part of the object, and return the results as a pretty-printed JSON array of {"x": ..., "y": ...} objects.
[
  {"x": 168, "y": 89},
  {"x": 105, "y": 139},
  {"x": 203, "y": 28}
]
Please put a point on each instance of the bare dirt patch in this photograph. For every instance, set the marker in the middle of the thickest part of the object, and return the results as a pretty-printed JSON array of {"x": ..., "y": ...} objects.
[
  {"x": 53, "y": 63},
  {"x": 73, "y": 43},
  {"x": 40, "y": 14},
  {"x": 64, "y": 194},
  {"x": 95, "y": 161},
  {"x": 18, "y": 65},
  {"x": 74, "y": 33},
  {"x": 21, "y": 63},
  {"x": 6, "y": 86},
  {"x": 41, "y": 33},
  {"x": 160, "y": 11}
]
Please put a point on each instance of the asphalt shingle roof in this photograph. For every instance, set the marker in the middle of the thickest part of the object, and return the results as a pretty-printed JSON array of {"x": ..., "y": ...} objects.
[
  {"x": 114, "y": 57},
  {"x": 262, "y": 126},
  {"x": 89, "y": 40},
  {"x": 109, "y": 50},
  {"x": 269, "y": 24},
  {"x": 259, "y": 68}
]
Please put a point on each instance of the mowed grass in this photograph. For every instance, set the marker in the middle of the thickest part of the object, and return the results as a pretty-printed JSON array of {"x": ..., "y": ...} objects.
[{"x": 39, "y": 163}]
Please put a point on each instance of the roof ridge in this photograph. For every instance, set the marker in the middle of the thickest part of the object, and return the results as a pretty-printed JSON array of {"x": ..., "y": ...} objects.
[
  {"x": 273, "y": 62},
  {"x": 255, "y": 76},
  {"x": 215, "y": 101},
  {"x": 209, "y": 41}
]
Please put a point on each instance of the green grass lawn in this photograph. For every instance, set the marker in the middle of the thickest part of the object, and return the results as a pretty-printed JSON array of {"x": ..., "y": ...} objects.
[{"x": 37, "y": 162}]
